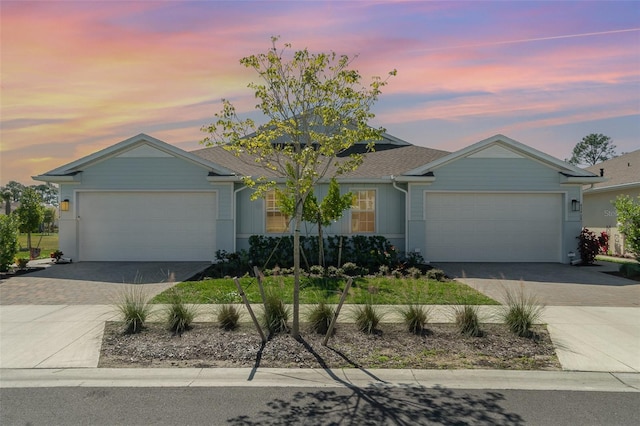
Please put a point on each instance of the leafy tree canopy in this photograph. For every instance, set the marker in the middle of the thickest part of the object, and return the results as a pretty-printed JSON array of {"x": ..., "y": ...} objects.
[
  {"x": 316, "y": 108},
  {"x": 593, "y": 149},
  {"x": 628, "y": 211}
]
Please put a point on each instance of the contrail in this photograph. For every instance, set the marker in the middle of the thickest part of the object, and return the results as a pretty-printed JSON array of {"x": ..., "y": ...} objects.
[{"x": 529, "y": 40}]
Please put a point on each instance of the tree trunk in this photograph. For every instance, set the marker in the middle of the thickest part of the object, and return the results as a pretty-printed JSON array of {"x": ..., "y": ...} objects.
[
  {"x": 320, "y": 242},
  {"x": 295, "y": 330}
]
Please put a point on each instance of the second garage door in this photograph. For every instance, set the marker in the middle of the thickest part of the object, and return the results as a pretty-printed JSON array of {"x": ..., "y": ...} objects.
[
  {"x": 493, "y": 227},
  {"x": 146, "y": 226}
]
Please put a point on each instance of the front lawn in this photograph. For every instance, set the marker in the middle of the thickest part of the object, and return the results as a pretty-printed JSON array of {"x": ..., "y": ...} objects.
[
  {"x": 47, "y": 244},
  {"x": 378, "y": 290}
]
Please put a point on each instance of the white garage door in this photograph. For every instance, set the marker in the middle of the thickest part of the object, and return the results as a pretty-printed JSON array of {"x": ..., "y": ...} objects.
[
  {"x": 146, "y": 226},
  {"x": 483, "y": 227}
]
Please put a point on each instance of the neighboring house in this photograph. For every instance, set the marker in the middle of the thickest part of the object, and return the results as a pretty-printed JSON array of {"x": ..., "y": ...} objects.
[
  {"x": 622, "y": 176},
  {"x": 494, "y": 201}
]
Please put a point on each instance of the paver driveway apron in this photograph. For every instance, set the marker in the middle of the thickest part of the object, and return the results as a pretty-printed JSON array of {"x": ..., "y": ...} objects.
[
  {"x": 593, "y": 317},
  {"x": 55, "y": 318},
  {"x": 93, "y": 283}
]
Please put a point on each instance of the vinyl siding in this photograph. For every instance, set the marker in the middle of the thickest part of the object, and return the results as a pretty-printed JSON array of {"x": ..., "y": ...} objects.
[
  {"x": 390, "y": 213},
  {"x": 145, "y": 173},
  {"x": 495, "y": 175}
]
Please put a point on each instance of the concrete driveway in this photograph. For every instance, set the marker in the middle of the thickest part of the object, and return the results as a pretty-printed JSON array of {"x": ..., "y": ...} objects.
[
  {"x": 593, "y": 318},
  {"x": 92, "y": 283},
  {"x": 553, "y": 284}
]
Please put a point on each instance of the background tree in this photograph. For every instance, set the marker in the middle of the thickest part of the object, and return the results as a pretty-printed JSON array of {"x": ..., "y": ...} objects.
[
  {"x": 48, "y": 192},
  {"x": 628, "y": 211},
  {"x": 16, "y": 189},
  {"x": 49, "y": 219},
  {"x": 30, "y": 213},
  {"x": 316, "y": 108},
  {"x": 7, "y": 197},
  {"x": 322, "y": 214},
  {"x": 8, "y": 240},
  {"x": 593, "y": 149}
]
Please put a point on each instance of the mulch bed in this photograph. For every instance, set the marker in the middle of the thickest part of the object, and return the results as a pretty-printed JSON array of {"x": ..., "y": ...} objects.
[{"x": 438, "y": 347}]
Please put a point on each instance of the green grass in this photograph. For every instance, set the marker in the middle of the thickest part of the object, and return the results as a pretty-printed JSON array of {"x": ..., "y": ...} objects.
[
  {"x": 614, "y": 259},
  {"x": 48, "y": 244},
  {"x": 385, "y": 291}
]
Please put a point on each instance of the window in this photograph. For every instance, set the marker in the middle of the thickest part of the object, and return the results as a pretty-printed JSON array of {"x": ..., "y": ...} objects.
[
  {"x": 276, "y": 220},
  {"x": 363, "y": 211}
]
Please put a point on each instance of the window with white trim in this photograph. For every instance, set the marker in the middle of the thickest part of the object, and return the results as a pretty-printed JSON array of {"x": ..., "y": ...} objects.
[
  {"x": 276, "y": 221},
  {"x": 363, "y": 211}
]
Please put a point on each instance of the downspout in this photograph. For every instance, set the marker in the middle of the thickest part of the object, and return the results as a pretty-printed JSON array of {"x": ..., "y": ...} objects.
[
  {"x": 233, "y": 215},
  {"x": 406, "y": 214}
]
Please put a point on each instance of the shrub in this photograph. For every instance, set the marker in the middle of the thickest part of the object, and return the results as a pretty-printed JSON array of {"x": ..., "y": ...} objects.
[
  {"x": 133, "y": 305},
  {"x": 22, "y": 262},
  {"x": 414, "y": 272},
  {"x": 316, "y": 270},
  {"x": 521, "y": 312},
  {"x": 628, "y": 210},
  {"x": 415, "y": 317},
  {"x": 436, "y": 274},
  {"x": 228, "y": 317},
  {"x": 276, "y": 313},
  {"x": 603, "y": 242},
  {"x": 588, "y": 246},
  {"x": 366, "y": 318},
  {"x": 383, "y": 270},
  {"x": 320, "y": 317},
  {"x": 467, "y": 320},
  {"x": 332, "y": 271},
  {"x": 413, "y": 259},
  {"x": 351, "y": 269},
  {"x": 8, "y": 240},
  {"x": 179, "y": 316}
]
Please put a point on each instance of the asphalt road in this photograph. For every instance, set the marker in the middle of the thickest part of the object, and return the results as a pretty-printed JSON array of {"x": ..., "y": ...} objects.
[{"x": 375, "y": 405}]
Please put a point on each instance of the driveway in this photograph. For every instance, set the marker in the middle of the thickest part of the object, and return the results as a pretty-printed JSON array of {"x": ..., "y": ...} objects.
[
  {"x": 553, "y": 284},
  {"x": 593, "y": 318},
  {"x": 92, "y": 283}
]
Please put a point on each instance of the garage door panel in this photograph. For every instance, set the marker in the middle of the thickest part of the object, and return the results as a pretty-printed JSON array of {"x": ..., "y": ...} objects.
[
  {"x": 492, "y": 227},
  {"x": 151, "y": 226}
]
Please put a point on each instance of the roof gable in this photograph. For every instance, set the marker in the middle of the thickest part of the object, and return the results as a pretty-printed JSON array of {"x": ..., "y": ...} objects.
[
  {"x": 140, "y": 146},
  {"x": 500, "y": 146}
]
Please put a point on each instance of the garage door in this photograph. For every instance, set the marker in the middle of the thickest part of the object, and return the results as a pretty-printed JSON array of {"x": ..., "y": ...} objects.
[
  {"x": 483, "y": 227},
  {"x": 146, "y": 226}
]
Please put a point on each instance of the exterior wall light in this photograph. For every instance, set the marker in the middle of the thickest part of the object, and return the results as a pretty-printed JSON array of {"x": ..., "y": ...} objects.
[
  {"x": 64, "y": 205},
  {"x": 575, "y": 205}
]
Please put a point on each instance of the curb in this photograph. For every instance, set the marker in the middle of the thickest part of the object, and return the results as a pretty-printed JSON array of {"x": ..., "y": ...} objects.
[{"x": 320, "y": 378}]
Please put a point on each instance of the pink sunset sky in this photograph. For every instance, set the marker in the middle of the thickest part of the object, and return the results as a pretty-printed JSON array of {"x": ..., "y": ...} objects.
[{"x": 78, "y": 76}]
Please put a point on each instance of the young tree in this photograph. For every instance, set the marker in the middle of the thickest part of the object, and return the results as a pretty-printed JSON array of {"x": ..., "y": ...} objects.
[
  {"x": 328, "y": 210},
  {"x": 628, "y": 211},
  {"x": 593, "y": 149},
  {"x": 317, "y": 108},
  {"x": 30, "y": 213}
]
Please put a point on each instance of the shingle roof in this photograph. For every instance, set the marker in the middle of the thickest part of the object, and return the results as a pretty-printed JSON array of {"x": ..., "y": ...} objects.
[
  {"x": 383, "y": 163},
  {"x": 622, "y": 170}
]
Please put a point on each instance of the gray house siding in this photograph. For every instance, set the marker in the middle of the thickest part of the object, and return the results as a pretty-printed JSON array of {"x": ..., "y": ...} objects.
[
  {"x": 495, "y": 175},
  {"x": 390, "y": 214},
  {"x": 144, "y": 174}
]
